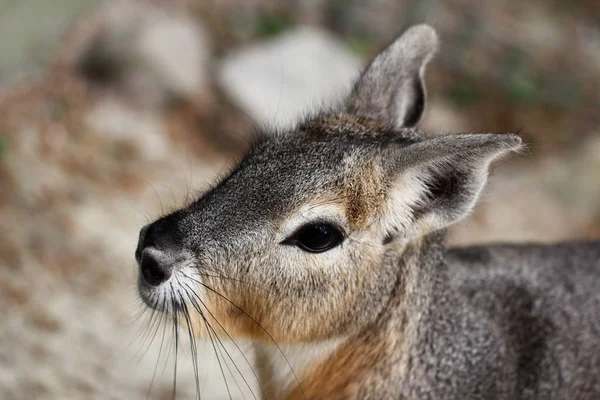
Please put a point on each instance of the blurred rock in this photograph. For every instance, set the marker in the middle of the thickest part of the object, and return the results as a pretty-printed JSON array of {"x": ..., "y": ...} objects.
[
  {"x": 155, "y": 54},
  {"x": 550, "y": 199},
  {"x": 279, "y": 81}
]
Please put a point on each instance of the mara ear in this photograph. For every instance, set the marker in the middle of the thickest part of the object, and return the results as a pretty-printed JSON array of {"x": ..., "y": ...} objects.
[
  {"x": 391, "y": 88},
  {"x": 437, "y": 182}
]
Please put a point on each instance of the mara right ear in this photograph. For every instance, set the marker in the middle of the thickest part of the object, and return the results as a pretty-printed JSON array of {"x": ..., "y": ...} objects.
[
  {"x": 436, "y": 182},
  {"x": 391, "y": 88}
]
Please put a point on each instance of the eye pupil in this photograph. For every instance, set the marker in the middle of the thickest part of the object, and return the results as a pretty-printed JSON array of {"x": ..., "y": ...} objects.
[{"x": 317, "y": 238}]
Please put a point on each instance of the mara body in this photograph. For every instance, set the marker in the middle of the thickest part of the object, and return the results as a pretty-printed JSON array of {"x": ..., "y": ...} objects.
[
  {"x": 325, "y": 248},
  {"x": 544, "y": 302}
]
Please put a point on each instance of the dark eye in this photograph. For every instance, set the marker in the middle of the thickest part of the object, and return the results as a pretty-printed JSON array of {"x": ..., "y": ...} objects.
[{"x": 316, "y": 237}]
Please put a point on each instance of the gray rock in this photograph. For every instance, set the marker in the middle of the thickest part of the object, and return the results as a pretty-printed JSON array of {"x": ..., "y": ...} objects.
[
  {"x": 279, "y": 81},
  {"x": 154, "y": 53}
]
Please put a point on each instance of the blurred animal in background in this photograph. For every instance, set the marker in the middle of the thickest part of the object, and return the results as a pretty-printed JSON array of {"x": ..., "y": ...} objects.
[{"x": 326, "y": 248}]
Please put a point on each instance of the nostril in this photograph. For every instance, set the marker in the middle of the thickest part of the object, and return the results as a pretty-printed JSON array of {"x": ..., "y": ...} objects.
[
  {"x": 141, "y": 244},
  {"x": 153, "y": 270},
  {"x": 143, "y": 232}
]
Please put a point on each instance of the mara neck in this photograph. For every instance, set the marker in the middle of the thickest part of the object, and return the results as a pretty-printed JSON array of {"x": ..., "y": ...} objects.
[
  {"x": 283, "y": 370},
  {"x": 426, "y": 271}
]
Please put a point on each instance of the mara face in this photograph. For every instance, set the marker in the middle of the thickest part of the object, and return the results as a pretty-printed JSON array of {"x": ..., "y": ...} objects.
[
  {"x": 289, "y": 237},
  {"x": 297, "y": 243}
]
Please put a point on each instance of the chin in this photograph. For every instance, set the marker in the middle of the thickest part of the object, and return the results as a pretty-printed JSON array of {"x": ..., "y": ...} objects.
[
  {"x": 152, "y": 296},
  {"x": 172, "y": 294}
]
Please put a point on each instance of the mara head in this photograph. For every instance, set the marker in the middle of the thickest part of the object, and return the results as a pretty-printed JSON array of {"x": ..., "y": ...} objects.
[{"x": 302, "y": 239}]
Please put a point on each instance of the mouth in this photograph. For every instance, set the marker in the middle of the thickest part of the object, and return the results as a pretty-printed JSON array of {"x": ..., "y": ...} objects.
[
  {"x": 154, "y": 297},
  {"x": 168, "y": 294}
]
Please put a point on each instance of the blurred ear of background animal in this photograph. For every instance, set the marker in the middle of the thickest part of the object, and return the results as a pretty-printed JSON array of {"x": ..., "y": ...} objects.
[{"x": 113, "y": 112}]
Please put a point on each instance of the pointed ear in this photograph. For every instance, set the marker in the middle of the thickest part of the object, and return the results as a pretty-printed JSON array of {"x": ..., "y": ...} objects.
[
  {"x": 391, "y": 88},
  {"x": 437, "y": 182}
]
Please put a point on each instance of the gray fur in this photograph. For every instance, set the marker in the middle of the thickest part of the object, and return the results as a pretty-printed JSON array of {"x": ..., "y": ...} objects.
[{"x": 417, "y": 321}]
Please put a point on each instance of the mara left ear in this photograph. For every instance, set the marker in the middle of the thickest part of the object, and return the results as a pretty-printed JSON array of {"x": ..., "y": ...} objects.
[
  {"x": 391, "y": 88},
  {"x": 437, "y": 182}
]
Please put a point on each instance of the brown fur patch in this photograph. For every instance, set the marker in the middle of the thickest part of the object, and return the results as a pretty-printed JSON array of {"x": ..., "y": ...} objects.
[
  {"x": 343, "y": 374},
  {"x": 363, "y": 191},
  {"x": 251, "y": 315},
  {"x": 232, "y": 316}
]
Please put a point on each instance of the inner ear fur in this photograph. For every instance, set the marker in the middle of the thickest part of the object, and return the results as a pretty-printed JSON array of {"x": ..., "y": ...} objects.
[{"x": 437, "y": 182}]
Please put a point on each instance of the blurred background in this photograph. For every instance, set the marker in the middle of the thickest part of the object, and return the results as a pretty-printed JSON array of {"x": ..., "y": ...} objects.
[{"x": 113, "y": 112}]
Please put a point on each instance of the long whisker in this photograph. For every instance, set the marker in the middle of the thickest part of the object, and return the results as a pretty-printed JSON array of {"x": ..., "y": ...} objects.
[
  {"x": 214, "y": 335},
  {"x": 201, "y": 274},
  {"x": 217, "y": 355},
  {"x": 162, "y": 340},
  {"x": 146, "y": 323},
  {"x": 142, "y": 313},
  {"x": 158, "y": 323},
  {"x": 236, "y": 280},
  {"x": 193, "y": 300},
  {"x": 200, "y": 270},
  {"x": 261, "y": 327},
  {"x": 143, "y": 331},
  {"x": 176, "y": 335},
  {"x": 174, "y": 302},
  {"x": 171, "y": 342},
  {"x": 146, "y": 336},
  {"x": 221, "y": 349},
  {"x": 193, "y": 348}
]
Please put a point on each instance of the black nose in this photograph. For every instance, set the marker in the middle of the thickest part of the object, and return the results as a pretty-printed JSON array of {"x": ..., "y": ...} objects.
[
  {"x": 155, "y": 269},
  {"x": 157, "y": 250}
]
